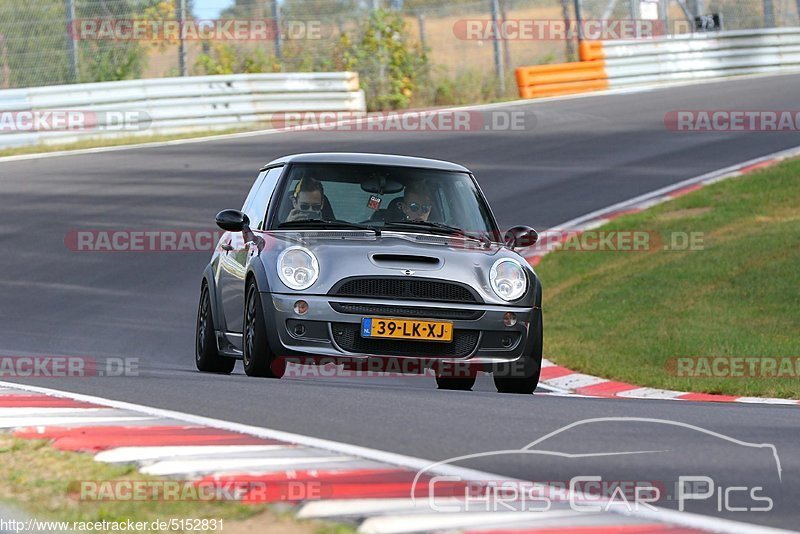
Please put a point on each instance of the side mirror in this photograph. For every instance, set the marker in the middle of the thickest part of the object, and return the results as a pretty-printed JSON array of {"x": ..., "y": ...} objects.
[
  {"x": 232, "y": 220},
  {"x": 521, "y": 237}
]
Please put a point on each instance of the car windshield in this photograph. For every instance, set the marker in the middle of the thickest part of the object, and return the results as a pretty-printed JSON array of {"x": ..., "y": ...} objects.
[{"x": 384, "y": 198}]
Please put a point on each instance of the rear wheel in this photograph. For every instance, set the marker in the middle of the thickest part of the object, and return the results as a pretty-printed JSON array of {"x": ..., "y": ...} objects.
[
  {"x": 207, "y": 357},
  {"x": 258, "y": 358},
  {"x": 522, "y": 377}
]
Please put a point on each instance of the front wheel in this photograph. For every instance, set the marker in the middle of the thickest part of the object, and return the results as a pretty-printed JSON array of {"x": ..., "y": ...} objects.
[
  {"x": 455, "y": 383},
  {"x": 207, "y": 357},
  {"x": 522, "y": 377},
  {"x": 258, "y": 358}
]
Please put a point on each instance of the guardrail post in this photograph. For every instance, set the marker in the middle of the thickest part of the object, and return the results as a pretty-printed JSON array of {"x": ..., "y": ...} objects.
[
  {"x": 182, "y": 45},
  {"x": 498, "y": 56},
  {"x": 579, "y": 20},
  {"x": 423, "y": 38},
  {"x": 565, "y": 14},
  {"x": 634, "y": 14},
  {"x": 769, "y": 14},
  {"x": 276, "y": 25},
  {"x": 71, "y": 47}
]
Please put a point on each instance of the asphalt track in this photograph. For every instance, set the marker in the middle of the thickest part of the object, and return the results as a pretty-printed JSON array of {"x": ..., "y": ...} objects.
[{"x": 574, "y": 157}]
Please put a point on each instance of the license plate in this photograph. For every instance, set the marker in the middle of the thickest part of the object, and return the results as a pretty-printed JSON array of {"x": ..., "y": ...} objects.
[{"x": 407, "y": 329}]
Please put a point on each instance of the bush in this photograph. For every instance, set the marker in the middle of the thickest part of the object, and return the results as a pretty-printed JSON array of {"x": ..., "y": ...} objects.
[
  {"x": 391, "y": 68},
  {"x": 224, "y": 58}
]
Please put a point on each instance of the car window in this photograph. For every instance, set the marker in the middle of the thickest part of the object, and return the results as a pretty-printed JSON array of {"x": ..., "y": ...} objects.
[
  {"x": 247, "y": 207},
  {"x": 255, "y": 206}
]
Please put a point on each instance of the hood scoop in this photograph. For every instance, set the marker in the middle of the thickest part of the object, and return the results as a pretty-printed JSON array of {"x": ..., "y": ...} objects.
[{"x": 406, "y": 261}]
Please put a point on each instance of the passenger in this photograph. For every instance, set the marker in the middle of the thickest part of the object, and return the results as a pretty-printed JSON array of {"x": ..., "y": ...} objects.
[
  {"x": 308, "y": 200},
  {"x": 417, "y": 202}
]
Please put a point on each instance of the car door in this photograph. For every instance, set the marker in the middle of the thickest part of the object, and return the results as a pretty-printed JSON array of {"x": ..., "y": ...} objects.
[{"x": 236, "y": 253}]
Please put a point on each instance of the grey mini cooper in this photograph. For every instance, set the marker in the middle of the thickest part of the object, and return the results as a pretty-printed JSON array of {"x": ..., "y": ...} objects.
[{"x": 362, "y": 258}]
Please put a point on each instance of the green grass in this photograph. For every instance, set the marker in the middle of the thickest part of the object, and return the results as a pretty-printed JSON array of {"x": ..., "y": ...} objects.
[
  {"x": 45, "y": 482},
  {"x": 628, "y": 315}
]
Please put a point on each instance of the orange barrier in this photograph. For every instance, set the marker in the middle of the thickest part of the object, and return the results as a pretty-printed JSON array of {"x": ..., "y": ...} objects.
[
  {"x": 586, "y": 75},
  {"x": 591, "y": 50}
]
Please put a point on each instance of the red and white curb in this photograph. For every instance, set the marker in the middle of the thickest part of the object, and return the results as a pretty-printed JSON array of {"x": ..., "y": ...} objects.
[
  {"x": 357, "y": 485},
  {"x": 565, "y": 381}
]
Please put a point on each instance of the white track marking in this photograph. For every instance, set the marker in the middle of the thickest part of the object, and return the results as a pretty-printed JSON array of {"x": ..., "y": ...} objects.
[
  {"x": 365, "y": 507},
  {"x": 370, "y": 507},
  {"x": 398, "y": 524},
  {"x": 552, "y": 389},
  {"x": 651, "y": 393},
  {"x": 575, "y": 381},
  {"x": 18, "y": 422},
  {"x": 195, "y": 467},
  {"x": 140, "y": 454},
  {"x": 762, "y": 400},
  {"x": 27, "y": 412}
]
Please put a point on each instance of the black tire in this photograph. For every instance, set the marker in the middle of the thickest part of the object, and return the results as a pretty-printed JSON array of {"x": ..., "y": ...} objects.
[
  {"x": 522, "y": 377},
  {"x": 455, "y": 383},
  {"x": 258, "y": 358},
  {"x": 456, "y": 377},
  {"x": 206, "y": 356}
]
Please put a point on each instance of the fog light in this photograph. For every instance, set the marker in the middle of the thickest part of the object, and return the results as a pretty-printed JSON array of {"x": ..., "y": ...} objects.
[
  {"x": 299, "y": 330},
  {"x": 510, "y": 319},
  {"x": 506, "y": 341},
  {"x": 300, "y": 307}
]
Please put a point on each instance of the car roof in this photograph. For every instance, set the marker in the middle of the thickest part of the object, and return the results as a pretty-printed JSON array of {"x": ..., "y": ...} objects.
[{"x": 369, "y": 159}]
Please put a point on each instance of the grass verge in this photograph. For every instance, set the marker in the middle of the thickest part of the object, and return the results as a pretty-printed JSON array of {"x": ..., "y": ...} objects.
[
  {"x": 41, "y": 481},
  {"x": 637, "y": 316}
]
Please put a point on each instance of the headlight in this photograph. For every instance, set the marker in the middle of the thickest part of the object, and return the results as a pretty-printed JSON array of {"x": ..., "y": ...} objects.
[
  {"x": 508, "y": 279},
  {"x": 298, "y": 268}
]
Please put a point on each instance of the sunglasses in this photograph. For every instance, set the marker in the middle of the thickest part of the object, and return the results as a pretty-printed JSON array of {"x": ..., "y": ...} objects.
[
  {"x": 306, "y": 206},
  {"x": 417, "y": 208}
]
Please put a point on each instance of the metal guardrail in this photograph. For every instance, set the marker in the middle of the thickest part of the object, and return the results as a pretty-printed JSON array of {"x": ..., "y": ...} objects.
[
  {"x": 167, "y": 105},
  {"x": 701, "y": 56},
  {"x": 609, "y": 64}
]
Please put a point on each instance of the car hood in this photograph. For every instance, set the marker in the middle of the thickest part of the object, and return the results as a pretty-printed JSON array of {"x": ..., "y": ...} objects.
[{"x": 345, "y": 254}]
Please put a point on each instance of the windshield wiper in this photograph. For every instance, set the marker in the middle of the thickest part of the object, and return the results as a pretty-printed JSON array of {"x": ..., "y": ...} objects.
[
  {"x": 321, "y": 223},
  {"x": 428, "y": 225},
  {"x": 438, "y": 228}
]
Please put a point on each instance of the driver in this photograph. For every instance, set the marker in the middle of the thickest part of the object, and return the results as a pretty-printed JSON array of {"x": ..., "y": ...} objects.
[
  {"x": 417, "y": 202},
  {"x": 308, "y": 200}
]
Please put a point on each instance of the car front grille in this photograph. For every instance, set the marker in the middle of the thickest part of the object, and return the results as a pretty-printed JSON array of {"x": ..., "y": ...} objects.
[
  {"x": 348, "y": 337},
  {"x": 406, "y": 289},
  {"x": 406, "y": 311}
]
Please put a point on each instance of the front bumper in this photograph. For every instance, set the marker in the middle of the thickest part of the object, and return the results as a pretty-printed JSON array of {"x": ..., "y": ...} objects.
[{"x": 480, "y": 334}]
